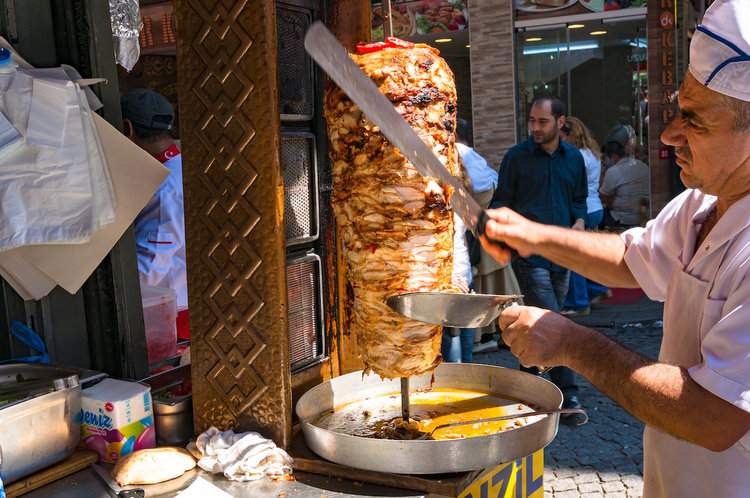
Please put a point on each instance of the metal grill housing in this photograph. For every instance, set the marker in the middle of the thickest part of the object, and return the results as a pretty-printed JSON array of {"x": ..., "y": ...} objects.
[
  {"x": 305, "y": 298},
  {"x": 296, "y": 76},
  {"x": 298, "y": 160}
]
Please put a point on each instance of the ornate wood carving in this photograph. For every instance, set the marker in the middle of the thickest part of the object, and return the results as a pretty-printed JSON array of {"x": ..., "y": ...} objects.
[{"x": 234, "y": 215}]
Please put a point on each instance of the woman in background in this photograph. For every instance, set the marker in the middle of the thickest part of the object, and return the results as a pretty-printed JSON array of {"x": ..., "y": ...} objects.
[{"x": 578, "y": 134}]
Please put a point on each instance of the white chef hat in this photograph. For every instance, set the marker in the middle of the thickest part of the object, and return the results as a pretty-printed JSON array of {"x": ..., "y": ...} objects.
[{"x": 720, "y": 49}]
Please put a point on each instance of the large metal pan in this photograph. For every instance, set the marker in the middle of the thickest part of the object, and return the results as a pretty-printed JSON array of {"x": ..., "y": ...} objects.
[{"x": 431, "y": 457}]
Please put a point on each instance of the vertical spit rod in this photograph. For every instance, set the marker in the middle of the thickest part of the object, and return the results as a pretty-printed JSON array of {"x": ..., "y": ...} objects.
[{"x": 405, "y": 398}]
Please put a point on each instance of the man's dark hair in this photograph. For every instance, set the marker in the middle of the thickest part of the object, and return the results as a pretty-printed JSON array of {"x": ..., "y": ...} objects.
[
  {"x": 613, "y": 148},
  {"x": 556, "y": 105},
  {"x": 464, "y": 131}
]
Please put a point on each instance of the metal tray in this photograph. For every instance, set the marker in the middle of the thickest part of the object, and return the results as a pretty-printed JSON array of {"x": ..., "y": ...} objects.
[
  {"x": 40, "y": 428},
  {"x": 431, "y": 457}
]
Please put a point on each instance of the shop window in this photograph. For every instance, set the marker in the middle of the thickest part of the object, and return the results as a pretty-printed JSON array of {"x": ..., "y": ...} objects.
[{"x": 598, "y": 69}]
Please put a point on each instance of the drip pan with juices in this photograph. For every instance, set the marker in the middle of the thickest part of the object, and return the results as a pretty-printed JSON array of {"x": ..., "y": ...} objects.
[{"x": 354, "y": 420}]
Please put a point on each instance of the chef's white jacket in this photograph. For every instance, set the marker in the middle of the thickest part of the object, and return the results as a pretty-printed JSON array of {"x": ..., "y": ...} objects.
[
  {"x": 706, "y": 330},
  {"x": 160, "y": 236}
]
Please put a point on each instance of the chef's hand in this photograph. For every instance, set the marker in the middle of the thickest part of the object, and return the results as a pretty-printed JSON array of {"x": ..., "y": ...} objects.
[
  {"x": 535, "y": 336},
  {"x": 505, "y": 225}
]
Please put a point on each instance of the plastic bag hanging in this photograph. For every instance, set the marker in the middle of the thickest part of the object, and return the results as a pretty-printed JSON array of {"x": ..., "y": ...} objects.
[{"x": 125, "y": 16}]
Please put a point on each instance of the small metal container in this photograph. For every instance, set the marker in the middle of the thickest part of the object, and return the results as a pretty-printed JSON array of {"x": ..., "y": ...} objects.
[
  {"x": 174, "y": 421},
  {"x": 40, "y": 426},
  {"x": 173, "y": 414}
]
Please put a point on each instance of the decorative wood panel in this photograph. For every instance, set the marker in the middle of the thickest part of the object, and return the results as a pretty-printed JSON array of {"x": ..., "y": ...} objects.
[
  {"x": 492, "y": 78},
  {"x": 234, "y": 215},
  {"x": 350, "y": 21}
]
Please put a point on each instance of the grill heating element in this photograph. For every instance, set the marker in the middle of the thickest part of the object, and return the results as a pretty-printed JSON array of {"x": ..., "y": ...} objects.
[
  {"x": 305, "y": 294},
  {"x": 296, "y": 78},
  {"x": 300, "y": 187}
]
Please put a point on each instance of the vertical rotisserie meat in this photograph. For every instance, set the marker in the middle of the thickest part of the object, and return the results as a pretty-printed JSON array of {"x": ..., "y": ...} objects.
[{"x": 396, "y": 225}]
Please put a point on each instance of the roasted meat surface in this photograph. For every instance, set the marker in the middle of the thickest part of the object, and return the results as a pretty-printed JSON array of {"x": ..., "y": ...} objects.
[{"x": 395, "y": 224}]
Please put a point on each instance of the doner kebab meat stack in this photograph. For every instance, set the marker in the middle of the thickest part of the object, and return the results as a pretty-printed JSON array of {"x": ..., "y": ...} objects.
[{"x": 396, "y": 225}]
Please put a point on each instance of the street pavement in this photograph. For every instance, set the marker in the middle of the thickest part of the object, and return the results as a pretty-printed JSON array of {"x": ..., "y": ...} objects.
[{"x": 603, "y": 458}]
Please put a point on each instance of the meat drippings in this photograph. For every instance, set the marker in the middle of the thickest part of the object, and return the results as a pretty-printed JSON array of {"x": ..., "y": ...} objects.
[{"x": 380, "y": 416}]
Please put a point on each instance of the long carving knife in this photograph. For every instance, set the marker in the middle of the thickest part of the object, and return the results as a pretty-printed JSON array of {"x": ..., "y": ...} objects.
[{"x": 333, "y": 58}]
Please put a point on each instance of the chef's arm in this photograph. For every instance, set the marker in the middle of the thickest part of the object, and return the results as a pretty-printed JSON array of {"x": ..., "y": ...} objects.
[
  {"x": 661, "y": 395},
  {"x": 598, "y": 256}
]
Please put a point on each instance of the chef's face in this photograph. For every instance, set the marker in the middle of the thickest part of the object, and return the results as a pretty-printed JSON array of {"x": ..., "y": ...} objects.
[
  {"x": 543, "y": 126},
  {"x": 713, "y": 156}
]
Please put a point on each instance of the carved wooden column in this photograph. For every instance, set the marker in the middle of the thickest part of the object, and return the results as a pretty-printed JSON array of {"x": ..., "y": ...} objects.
[
  {"x": 230, "y": 131},
  {"x": 350, "y": 21}
]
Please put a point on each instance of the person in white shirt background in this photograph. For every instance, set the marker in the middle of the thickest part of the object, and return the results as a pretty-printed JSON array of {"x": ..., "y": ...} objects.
[
  {"x": 625, "y": 188},
  {"x": 160, "y": 227},
  {"x": 458, "y": 344},
  {"x": 575, "y": 132},
  {"x": 695, "y": 256}
]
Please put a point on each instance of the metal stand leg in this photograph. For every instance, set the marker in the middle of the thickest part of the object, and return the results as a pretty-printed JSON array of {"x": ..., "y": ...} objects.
[{"x": 405, "y": 398}]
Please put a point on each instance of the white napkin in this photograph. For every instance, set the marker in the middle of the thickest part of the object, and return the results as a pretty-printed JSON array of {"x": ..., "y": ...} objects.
[{"x": 245, "y": 456}]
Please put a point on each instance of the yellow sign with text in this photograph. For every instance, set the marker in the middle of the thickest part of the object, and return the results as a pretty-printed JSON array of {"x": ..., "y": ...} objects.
[{"x": 520, "y": 479}]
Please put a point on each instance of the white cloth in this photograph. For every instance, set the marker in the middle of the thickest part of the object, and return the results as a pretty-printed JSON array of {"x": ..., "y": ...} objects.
[
  {"x": 244, "y": 456},
  {"x": 628, "y": 182},
  {"x": 160, "y": 236},
  {"x": 593, "y": 172},
  {"x": 720, "y": 49},
  {"x": 706, "y": 320},
  {"x": 461, "y": 261},
  {"x": 482, "y": 176}
]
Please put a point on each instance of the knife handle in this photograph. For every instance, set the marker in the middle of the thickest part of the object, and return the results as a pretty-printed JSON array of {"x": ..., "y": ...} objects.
[{"x": 482, "y": 225}]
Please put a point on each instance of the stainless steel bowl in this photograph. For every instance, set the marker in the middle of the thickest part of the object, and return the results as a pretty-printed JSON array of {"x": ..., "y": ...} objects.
[
  {"x": 431, "y": 457},
  {"x": 40, "y": 428}
]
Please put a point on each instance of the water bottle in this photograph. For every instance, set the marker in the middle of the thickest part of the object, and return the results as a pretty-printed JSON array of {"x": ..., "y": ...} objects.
[
  {"x": 9, "y": 135},
  {"x": 7, "y": 69},
  {"x": 7, "y": 64}
]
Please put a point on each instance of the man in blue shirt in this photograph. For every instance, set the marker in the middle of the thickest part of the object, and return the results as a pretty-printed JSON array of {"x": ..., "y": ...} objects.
[{"x": 544, "y": 179}]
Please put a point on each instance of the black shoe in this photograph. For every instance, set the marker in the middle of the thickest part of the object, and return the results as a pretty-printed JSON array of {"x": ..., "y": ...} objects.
[{"x": 573, "y": 419}]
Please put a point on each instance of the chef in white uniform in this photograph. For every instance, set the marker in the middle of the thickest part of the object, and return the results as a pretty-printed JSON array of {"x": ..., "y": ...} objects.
[
  {"x": 160, "y": 227},
  {"x": 695, "y": 256}
]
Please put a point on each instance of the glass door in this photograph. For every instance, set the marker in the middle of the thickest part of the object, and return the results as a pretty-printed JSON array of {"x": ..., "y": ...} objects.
[{"x": 597, "y": 68}]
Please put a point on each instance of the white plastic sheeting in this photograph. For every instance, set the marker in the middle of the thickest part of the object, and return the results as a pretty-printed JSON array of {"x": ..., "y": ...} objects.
[{"x": 54, "y": 184}]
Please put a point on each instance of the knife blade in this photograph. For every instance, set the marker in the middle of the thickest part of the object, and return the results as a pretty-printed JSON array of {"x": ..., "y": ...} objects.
[
  {"x": 335, "y": 61},
  {"x": 118, "y": 491}
]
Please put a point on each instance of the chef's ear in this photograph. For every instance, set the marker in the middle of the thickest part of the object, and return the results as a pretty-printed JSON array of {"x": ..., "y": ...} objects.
[{"x": 127, "y": 129}]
